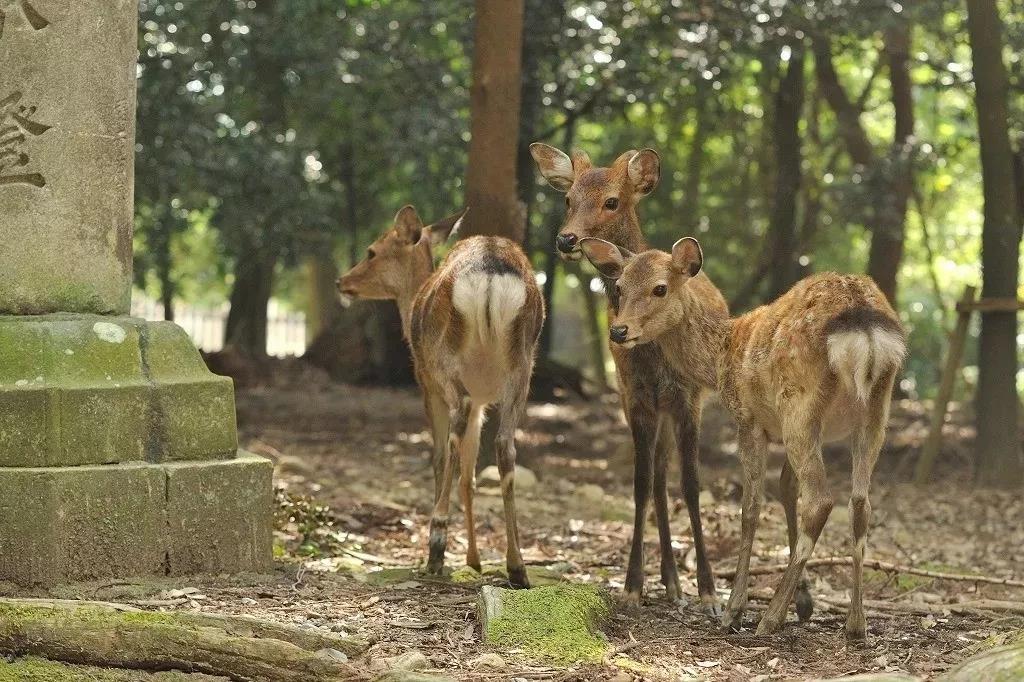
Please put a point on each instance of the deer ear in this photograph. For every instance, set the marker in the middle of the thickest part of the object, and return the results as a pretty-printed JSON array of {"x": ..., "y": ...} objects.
[
  {"x": 554, "y": 165},
  {"x": 644, "y": 171},
  {"x": 446, "y": 228},
  {"x": 609, "y": 259},
  {"x": 687, "y": 256},
  {"x": 408, "y": 225}
]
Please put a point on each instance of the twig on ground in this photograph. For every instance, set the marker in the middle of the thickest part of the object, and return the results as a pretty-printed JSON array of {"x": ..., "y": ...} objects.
[{"x": 882, "y": 566}]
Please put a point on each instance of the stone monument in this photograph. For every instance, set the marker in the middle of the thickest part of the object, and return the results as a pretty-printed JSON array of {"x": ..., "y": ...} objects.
[{"x": 118, "y": 448}]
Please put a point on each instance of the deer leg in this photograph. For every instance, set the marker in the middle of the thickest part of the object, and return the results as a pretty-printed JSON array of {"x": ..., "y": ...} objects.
[
  {"x": 790, "y": 492},
  {"x": 867, "y": 443},
  {"x": 687, "y": 438},
  {"x": 803, "y": 447},
  {"x": 437, "y": 413},
  {"x": 469, "y": 448},
  {"x": 669, "y": 570},
  {"x": 458, "y": 419},
  {"x": 510, "y": 412},
  {"x": 643, "y": 423},
  {"x": 753, "y": 454}
]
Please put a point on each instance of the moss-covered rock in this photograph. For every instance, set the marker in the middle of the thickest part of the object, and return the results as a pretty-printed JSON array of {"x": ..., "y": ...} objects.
[{"x": 552, "y": 621}]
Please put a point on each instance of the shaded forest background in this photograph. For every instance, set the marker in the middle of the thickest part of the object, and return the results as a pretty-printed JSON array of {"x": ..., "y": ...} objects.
[{"x": 276, "y": 139}]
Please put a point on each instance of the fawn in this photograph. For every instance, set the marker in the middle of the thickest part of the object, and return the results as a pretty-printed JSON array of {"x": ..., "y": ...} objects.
[
  {"x": 662, "y": 404},
  {"x": 815, "y": 366},
  {"x": 473, "y": 326}
]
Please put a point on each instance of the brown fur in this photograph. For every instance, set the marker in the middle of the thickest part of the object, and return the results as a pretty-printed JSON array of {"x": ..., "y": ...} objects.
[
  {"x": 473, "y": 326},
  {"x": 662, "y": 404},
  {"x": 774, "y": 370}
]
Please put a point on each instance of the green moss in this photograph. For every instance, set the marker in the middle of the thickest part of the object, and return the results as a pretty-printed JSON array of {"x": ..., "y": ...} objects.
[
  {"x": 554, "y": 621},
  {"x": 32, "y": 669},
  {"x": 18, "y": 617},
  {"x": 465, "y": 574}
]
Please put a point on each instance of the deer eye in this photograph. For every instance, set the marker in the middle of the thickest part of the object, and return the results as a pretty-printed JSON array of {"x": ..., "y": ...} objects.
[
  {"x": 370, "y": 254},
  {"x": 611, "y": 203},
  {"x": 660, "y": 290}
]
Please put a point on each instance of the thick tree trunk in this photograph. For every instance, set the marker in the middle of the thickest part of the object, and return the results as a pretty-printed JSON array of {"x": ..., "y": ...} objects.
[
  {"x": 494, "y": 106},
  {"x": 999, "y": 451},
  {"x": 551, "y": 258},
  {"x": 322, "y": 293},
  {"x": 789, "y": 102},
  {"x": 887, "y": 238},
  {"x": 246, "y": 327},
  {"x": 690, "y": 213}
]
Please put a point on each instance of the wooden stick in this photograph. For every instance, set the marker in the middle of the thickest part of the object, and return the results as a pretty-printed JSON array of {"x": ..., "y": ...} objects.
[
  {"x": 954, "y": 355},
  {"x": 991, "y": 305},
  {"x": 881, "y": 566}
]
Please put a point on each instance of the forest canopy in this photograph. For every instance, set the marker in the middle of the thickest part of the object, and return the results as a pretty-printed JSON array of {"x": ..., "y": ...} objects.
[{"x": 276, "y": 140}]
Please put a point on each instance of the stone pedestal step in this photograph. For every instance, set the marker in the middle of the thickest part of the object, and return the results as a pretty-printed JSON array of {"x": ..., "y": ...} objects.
[{"x": 64, "y": 524}]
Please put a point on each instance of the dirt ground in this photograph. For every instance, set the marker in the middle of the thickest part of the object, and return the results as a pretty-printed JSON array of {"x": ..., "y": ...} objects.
[{"x": 355, "y": 482}]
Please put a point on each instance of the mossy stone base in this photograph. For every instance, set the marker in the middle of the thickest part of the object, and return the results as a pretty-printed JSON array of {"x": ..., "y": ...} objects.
[
  {"x": 66, "y": 524},
  {"x": 554, "y": 621},
  {"x": 89, "y": 389}
]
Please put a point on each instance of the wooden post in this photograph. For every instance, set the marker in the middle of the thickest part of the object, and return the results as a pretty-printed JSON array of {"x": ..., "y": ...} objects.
[{"x": 954, "y": 354}]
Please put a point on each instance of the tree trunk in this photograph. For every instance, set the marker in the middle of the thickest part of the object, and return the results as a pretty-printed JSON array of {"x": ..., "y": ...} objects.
[
  {"x": 789, "y": 102},
  {"x": 494, "y": 106},
  {"x": 246, "y": 327},
  {"x": 551, "y": 258},
  {"x": 887, "y": 237},
  {"x": 999, "y": 453},
  {"x": 322, "y": 293},
  {"x": 690, "y": 213},
  {"x": 347, "y": 172}
]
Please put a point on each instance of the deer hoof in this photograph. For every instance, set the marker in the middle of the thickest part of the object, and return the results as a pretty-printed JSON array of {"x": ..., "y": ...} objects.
[
  {"x": 804, "y": 605},
  {"x": 517, "y": 578}
]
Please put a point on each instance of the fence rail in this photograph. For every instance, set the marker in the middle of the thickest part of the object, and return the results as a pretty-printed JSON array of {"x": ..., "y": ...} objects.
[{"x": 286, "y": 330}]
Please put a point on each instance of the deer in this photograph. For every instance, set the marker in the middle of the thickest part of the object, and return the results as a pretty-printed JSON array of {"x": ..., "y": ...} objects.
[
  {"x": 662, "y": 404},
  {"x": 815, "y": 366},
  {"x": 472, "y": 325}
]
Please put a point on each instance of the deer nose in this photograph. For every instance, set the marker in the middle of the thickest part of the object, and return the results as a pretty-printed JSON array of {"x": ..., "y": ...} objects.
[
  {"x": 618, "y": 333},
  {"x": 566, "y": 242}
]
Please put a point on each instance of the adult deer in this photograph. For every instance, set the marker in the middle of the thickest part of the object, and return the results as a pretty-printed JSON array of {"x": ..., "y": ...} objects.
[
  {"x": 662, "y": 404},
  {"x": 473, "y": 326},
  {"x": 815, "y": 366}
]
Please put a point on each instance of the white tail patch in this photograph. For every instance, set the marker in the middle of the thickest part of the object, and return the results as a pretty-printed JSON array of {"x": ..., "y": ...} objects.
[
  {"x": 860, "y": 356},
  {"x": 488, "y": 302}
]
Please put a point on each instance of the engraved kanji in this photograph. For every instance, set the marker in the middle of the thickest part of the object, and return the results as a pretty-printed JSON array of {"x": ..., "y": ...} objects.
[
  {"x": 17, "y": 127},
  {"x": 36, "y": 20}
]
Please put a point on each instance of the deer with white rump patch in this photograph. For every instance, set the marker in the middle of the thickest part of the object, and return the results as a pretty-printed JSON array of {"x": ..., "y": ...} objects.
[
  {"x": 473, "y": 326},
  {"x": 662, "y": 404},
  {"x": 815, "y": 366}
]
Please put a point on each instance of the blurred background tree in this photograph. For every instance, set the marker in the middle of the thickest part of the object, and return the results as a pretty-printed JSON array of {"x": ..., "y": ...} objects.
[{"x": 277, "y": 139}]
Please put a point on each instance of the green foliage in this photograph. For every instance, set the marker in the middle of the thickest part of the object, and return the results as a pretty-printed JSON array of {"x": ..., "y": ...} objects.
[{"x": 275, "y": 131}]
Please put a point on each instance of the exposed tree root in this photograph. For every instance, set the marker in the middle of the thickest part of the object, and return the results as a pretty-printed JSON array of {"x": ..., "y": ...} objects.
[{"x": 119, "y": 636}]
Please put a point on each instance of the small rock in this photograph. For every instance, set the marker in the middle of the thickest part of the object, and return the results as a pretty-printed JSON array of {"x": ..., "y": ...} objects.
[
  {"x": 590, "y": 493},
  {"x": 410, "y": 660},
  {"x": 333, "y": 655},
  {"x": 488, "y": 661},
  {"x": 707, "y": 498},
  {"x": 490, "y": 477}
]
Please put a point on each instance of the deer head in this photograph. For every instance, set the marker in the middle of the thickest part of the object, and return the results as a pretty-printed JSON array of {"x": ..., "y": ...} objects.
[
  {"x": 600, "y": 202},
  {"x": 400, "y": 259},
  {"x": 648, "y": 286}
]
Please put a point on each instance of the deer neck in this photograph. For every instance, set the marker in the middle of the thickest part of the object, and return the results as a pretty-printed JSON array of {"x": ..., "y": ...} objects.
[
  {"x": 632, "y": 237},
  {"x": 698, "y": 346},
  {"x": 420, "y": 270}
]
